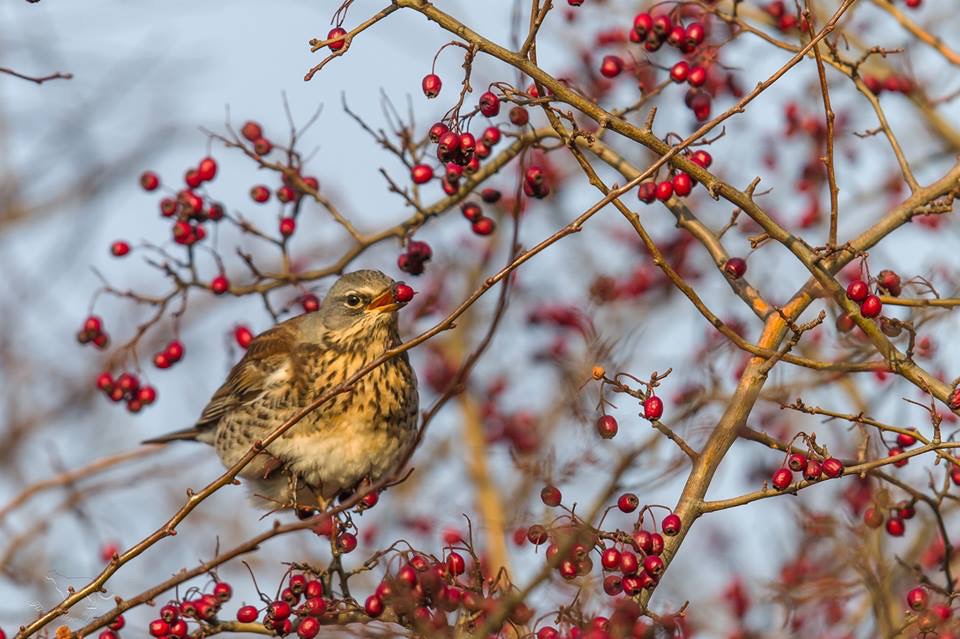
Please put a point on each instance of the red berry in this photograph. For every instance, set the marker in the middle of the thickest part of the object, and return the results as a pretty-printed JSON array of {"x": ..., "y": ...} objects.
[
  {"x": 917, "y": 598},
  {"x": 174, "y": 350},
  {"x": 159, "y": 628},
  {"x": 610, "y": 559},
  {"x": 695, "y": 34},
  {"x": 219, "y": 285},
  {"x": 895, "y": 527},
  {"x": 490, "y": 196},
  {"x": 192, "y": 178},
  {"x": 677, "y": 37},
  {"x": 858, "y": 290},
  {"x": 146, "y": 395},
  {"x": 431, "y": 85},
  {"x": 313, "y": 588},
  {"x": 243, "y": 336},
  {"x": 906, "y": 441},
  {"x": 628, "y": 502},
  {"x": 653, "y": 407},
  {"x": 697, "y": 76},
  {"x": 310, "y": 303},
  {"x": 436, "y": 131},
  {"x": 671, "y": 524},
  {"x": 782, "y": 478},
  {"x": 403, "y": 293},
  {"x": 607, "y": 426},
  {"x": 336, "y": 32},
  {"x": 118, "y": 622},
  {"x": 642, "y": 24},
  {"x": 797, "y": 462},
  {"x": 279, "y": 610},
  {"x": 286, "y": 194},
  {"x": 373, "y": 606},
  {"x": 456, "y": 564},
  {"x": 682, "y": 184},
  {"x": 149, "y": 181},
  {"x": 832, "y": 467},
  {"x": 871, "y": 306},
  {"x": 653, "y": 565},
  {"x": 664, "y": 190},
  {"x": 629, "y": 564},
  {"x": 119, "y": 248},
  {"x": 550, "y": 495},
  {"x": 207, "y": 169},
  {"x": 735, "y": 267},
  {"x": 484, "y": 226},
  {"x": 421, "y": 173},
  {"x": 701, "y": 158},
  {"x": 307, "y": 628},
  {"x": 251, "y": 130},
  {"x": 346, "y": 542},
  {"x": 222, "y": 591},
  {"x": 260, "y": 193},
  {"x": 490, "y": 104},
  {"x": 287, "y": 226},
  {"x": 263, "y": 146},
  {"x": 611, "y": 66},
  {"x": 662, "y": 25},
  {"x": 680, "y": 71}
]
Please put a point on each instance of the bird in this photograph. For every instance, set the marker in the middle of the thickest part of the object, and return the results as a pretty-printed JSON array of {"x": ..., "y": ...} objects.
[{"x": 357, "y": 437}]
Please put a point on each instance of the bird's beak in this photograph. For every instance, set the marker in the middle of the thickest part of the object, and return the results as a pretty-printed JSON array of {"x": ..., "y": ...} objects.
[{"x": 384, "y": 302}]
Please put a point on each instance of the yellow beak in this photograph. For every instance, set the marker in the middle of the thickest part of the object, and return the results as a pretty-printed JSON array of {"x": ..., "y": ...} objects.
[{"x": 383, "y": 303}]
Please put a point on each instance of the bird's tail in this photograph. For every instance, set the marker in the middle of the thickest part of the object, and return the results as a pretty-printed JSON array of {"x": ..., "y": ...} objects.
[{"x": 187, "y": 434}]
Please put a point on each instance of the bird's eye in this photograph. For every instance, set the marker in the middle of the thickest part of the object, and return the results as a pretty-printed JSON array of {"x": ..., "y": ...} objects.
[{"x": 353, "y": 300}]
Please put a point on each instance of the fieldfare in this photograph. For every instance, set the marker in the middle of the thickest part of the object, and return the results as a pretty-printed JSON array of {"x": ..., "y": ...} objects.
[{"x": 361, "y": 435}]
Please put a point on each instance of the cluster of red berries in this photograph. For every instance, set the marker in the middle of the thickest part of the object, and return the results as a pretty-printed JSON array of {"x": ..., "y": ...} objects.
[
  {"x": 127, "y": 387},
  {"x": 654, "y": 31},
  {"x": 187, "y": 208},
  {"x": 893, "y": 83},
  {"x": 786, "y": 21},
  {"x": 859, "y": 291},
  {"x": 873, "y": 517},
  {"x": 480, "y": 224},
  {"x": 423, "y": 590},
  {"x": 412, "y": 260},
  {"x": 299, "y": 608},
  {"x": 92, "y": 332},
  {"x": 171, "y": 623},
  {"x": 904, "y": 441},
  {"x": 928, "y": 617},
  {"x": 170, "y": 355},
  {"x": 811, "y": 468},
  {"x": 679, "y": 184}
]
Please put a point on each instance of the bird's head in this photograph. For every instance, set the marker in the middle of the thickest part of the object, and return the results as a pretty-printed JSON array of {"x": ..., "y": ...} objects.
[{"x": 361, "y": 302}]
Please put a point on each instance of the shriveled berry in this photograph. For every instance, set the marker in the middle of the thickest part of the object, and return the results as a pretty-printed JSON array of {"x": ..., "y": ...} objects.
[
  {"x": 519, "y": 116},
  {"x": 845, "y": 323},
  {"x": 889, "y": 281},
  {"x": 812, "y": 470},
  {"x": 647, "y": 191},
  {"x": 873, "y": 517}
]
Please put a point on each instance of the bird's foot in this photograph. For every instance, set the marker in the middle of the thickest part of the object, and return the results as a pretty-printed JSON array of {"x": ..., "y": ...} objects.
[{"x": 271, "y": 466}]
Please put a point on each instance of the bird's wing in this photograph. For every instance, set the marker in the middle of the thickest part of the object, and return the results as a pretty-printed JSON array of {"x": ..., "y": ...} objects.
[{"x": 267, "y": 356}]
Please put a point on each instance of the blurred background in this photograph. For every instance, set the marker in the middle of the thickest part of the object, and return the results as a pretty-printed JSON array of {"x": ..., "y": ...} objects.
[{"x": 150, "y": 79}]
